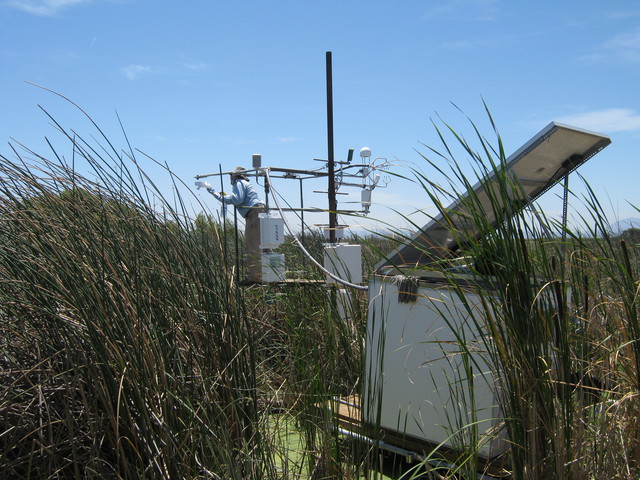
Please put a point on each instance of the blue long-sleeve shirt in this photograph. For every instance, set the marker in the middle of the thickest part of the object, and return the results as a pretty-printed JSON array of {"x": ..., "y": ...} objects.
[{"x": 242, "y": 196}]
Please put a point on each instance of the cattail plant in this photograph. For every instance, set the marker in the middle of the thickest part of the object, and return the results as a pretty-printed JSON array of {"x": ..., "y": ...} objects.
[{"x": 127, "y": 349}]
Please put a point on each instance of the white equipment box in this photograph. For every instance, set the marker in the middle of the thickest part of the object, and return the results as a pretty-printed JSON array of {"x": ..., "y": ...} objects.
[
  {"x": 271, "y": 231},
  {"x": 416, "y": 382},
  {"x": 344, "y": 261},
  {"x": 415, "y": 379},
  {"x": 273, "y": 268}
]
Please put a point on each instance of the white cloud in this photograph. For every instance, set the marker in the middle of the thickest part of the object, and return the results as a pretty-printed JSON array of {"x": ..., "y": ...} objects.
[
  {"x": 179, "y": 70},
  {"x": 195, "y": 66},
  {"x": 626, "y": 40},
  {"x": 623, "y": 14},
  {"x": 626, "y": 47},
  {"x": 43, "y": 7},
  {"x": 186, "y": 64},
  {"x": 132, "y": 72},
  {"x": 607, "y": 121},
  {"x": 623, "y": 48}
]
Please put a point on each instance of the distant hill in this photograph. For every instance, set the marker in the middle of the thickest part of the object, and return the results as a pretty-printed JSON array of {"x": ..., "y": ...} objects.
[{"x": 625, "y": 224}]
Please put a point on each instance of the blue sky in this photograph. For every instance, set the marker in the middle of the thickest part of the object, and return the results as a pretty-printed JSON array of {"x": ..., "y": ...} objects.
[{"x": 202, "y": 83}]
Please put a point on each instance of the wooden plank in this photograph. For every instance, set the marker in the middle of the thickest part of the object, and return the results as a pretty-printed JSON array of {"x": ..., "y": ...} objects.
[{"x": 349, "y": 414}]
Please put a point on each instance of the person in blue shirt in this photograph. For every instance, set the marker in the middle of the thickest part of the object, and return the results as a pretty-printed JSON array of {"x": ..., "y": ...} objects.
[{"x": 248, "y": 204}]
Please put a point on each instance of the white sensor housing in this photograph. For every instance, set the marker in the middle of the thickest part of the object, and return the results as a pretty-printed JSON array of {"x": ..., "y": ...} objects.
[{"x": 271, "y": 231}]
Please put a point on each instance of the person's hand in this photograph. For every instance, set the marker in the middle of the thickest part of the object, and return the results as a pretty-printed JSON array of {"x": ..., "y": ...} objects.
[{"x": 200, "y": 185}]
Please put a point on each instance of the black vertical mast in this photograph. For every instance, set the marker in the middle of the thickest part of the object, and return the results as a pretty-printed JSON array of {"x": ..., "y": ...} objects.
[{"x": 333, "y": 204}]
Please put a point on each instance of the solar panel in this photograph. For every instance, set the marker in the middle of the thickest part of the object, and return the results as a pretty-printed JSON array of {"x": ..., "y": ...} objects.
[{"x": 537, "y": 166}]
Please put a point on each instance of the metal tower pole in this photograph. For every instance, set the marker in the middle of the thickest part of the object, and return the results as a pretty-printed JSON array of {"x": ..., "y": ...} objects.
[{"x": 333, "y": 204}]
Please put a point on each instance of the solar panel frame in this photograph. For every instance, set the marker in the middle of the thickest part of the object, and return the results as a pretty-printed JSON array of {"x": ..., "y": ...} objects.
[{"x": 550, "y": 155}]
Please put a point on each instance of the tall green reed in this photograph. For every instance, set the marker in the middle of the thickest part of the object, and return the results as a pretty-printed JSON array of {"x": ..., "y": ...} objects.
[{"x": 127, "y": 349}]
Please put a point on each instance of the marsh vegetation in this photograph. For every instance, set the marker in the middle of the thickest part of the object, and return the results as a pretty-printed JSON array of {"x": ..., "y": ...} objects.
[{"x": 127, "y": 349}]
